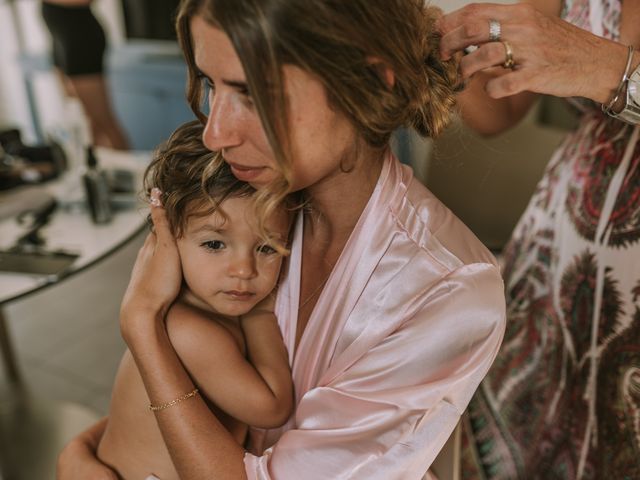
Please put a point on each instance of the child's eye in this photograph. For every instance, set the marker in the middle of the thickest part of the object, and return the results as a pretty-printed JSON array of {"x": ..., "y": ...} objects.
[
  {"x": 213, "y": 245},
  {"x": 266, "y": 249}
]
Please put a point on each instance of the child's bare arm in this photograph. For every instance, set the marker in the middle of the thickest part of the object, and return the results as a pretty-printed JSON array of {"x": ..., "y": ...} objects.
[
  {"x": 212, "y": 357},
  {"x": 268, "y": 355}
]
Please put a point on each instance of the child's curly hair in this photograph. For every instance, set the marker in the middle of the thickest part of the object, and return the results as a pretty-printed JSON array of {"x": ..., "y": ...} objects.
[{"x": 193, "y": 179}]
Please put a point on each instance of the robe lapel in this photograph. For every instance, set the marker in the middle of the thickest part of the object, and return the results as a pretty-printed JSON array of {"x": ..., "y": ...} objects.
[{"x": 362, "y": 253}]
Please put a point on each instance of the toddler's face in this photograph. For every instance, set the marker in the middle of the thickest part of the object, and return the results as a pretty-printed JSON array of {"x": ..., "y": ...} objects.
[{"x": 226, "y": 265}]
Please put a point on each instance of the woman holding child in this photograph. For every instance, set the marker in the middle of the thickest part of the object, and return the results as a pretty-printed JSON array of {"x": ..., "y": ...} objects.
[{"x": 390, "y": 309}]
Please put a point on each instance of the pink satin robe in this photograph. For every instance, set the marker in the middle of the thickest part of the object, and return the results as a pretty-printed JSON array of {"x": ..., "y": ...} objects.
[{"x": 407, "y": 325}]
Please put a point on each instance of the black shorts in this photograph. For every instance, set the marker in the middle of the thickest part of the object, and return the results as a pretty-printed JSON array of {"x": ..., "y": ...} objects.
[{"x": 78, "y": 39}]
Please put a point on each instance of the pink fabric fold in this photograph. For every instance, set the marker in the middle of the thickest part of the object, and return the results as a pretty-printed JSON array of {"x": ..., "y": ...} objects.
[{"x": 407, "y": 325}]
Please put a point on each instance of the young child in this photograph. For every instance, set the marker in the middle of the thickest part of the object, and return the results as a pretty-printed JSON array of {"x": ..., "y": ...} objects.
[{"x": 233, "y": 351}]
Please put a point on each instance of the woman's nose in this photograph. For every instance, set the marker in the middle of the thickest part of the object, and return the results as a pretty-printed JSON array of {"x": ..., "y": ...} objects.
[
  {"x": 221, "y": 130},
  {"x": 243, "y": 266}
]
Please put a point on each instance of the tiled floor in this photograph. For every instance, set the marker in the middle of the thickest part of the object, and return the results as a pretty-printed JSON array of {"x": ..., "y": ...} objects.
[{"x": 67, "y": 338}]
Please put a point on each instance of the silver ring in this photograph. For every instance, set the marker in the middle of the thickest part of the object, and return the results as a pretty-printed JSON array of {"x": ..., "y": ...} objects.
[{"x": 495, "y": 30}]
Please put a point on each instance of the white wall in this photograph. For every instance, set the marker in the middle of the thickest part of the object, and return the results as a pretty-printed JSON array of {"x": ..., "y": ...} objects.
[{"x": 13, "y": 100}]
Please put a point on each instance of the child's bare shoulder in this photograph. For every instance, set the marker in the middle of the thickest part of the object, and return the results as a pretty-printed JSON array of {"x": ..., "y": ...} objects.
[
  {"x": 180, "y": 309},
  {"x": 189, "y": 327}
]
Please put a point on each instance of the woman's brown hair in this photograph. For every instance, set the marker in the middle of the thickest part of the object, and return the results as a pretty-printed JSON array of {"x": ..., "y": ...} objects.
[{"x": 342, "y": 43}]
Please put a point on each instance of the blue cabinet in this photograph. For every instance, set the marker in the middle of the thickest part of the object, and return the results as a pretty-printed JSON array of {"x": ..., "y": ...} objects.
[{"x": 147, "y": 82}]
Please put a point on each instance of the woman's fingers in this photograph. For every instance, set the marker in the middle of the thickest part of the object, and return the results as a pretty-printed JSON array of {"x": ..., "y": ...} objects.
[
  {"x": 469, "y": 25},
  {"x": 549, "y": 55},
  {"x": 157, "y": 274},
  {"x": 147, "y": 250},
  {"x": 159, "y": 218},
  {"x": 79, "y": 461},
  {"x": 472, "y": 13},
  {"x": 489, "y": 55},
  {"x": 509, "y": 84}
]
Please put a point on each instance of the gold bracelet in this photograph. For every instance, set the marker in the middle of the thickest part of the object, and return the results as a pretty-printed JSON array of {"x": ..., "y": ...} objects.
[{"x": 155, "y": 408}]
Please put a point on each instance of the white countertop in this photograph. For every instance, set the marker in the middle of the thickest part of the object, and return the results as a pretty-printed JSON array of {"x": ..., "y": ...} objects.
[{"x": 71, "y": 229}]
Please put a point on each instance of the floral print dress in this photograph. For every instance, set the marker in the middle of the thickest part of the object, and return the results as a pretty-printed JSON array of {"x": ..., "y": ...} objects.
[{"x": 562, "y": 400}]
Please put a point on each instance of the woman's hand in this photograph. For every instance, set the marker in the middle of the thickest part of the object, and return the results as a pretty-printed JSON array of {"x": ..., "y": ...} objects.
[
  {"x": 78, "y": 459},
  {"x": 73, "y": 465},
  {"x": 156, "y": 277},
  {"x": 551, "y": 56}
]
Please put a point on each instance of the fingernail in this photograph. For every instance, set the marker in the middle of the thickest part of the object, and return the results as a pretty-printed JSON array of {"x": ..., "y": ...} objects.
[{"x": 154, "y": 198}]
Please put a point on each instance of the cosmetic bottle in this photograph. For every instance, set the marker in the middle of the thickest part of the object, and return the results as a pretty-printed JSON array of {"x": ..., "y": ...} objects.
[{"x": 97, "y": 189}]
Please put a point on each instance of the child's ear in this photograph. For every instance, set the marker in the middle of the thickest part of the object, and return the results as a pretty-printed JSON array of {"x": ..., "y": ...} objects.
[{"x": 384, "y": 71}]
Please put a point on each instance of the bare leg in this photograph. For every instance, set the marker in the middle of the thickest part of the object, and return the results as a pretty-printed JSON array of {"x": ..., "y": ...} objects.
[
  {"x": 92, "y": 92},
  {"x": 79, "y": 44}
]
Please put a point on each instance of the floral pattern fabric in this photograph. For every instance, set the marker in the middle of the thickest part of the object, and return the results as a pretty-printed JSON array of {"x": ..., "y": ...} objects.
[{"x": 562, "y": 400}]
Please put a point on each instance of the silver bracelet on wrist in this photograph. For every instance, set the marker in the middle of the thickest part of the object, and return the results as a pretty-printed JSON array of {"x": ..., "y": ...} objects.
[
  {"x": 607, "y": 108},
  {"x": 631, "y": 111}
]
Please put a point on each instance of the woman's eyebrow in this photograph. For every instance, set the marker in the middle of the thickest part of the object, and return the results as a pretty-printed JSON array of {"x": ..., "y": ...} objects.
[{"x": 239, "y": 84}]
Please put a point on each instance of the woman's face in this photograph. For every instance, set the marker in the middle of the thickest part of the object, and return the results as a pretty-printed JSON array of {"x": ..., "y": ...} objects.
[{"x": 321, "y": 137}]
